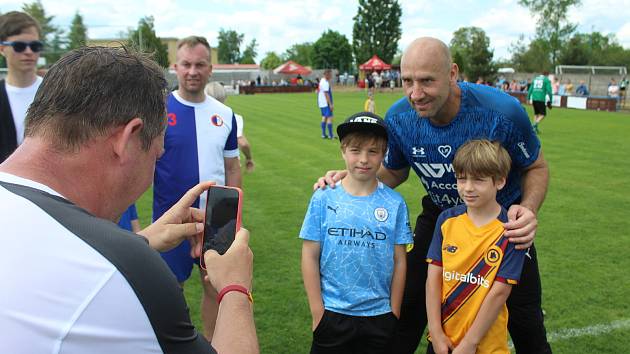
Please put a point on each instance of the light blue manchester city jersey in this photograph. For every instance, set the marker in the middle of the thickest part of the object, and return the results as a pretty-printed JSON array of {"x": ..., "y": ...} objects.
[{"x": 357, "y": 236}]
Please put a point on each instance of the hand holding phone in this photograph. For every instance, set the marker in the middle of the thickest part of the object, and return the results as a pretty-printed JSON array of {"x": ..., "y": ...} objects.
[{"x": 223, "y": 219}]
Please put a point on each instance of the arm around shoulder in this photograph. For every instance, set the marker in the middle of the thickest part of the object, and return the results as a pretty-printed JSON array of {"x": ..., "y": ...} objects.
[{"x": 392, "y": 178}]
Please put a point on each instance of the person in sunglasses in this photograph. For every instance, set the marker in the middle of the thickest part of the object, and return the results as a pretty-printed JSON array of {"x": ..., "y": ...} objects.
[{"x": 20, "y": 46}]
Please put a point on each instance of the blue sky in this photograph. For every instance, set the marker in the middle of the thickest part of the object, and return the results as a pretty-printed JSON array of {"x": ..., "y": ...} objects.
[{"x": 277, "y": 24}]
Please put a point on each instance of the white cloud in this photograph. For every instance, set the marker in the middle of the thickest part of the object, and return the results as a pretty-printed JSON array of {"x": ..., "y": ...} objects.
[
  {"x": 624, "y": 35},
  {"x": 412, "y": 33},
  {"x": 278, "y": 24},
  {"x": 512, "y": 21},
  {"x": 504, "y": 25}
]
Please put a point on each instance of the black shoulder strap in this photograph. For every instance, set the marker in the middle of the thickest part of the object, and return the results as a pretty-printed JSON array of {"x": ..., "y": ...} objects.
[{"x": 8, "y": 135}]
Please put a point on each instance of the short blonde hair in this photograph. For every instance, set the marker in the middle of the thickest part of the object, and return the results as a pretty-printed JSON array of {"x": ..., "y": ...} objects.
[
  {"x": 482, "y": 158},
  {"x": 192, "y": 41},
  {"x": 216, "y": 90}
]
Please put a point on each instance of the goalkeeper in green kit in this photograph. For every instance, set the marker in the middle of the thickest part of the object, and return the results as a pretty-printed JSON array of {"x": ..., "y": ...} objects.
[{"x": 538, "y": 92}]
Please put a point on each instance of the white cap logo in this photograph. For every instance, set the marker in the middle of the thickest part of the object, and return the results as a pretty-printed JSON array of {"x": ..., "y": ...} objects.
[{"x": 364, "y": 119}]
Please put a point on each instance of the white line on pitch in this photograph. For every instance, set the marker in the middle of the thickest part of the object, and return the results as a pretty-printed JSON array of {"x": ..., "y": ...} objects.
[
  {"x": 594, "y": 330},
  {"x": 588, "y": 331}
]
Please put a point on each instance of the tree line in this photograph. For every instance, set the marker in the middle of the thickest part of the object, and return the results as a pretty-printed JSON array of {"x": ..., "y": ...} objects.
[
  {"x": 57, "y": 41},
  {"x": 377, "y": 30},
  {"x": 556, "y": 42}
]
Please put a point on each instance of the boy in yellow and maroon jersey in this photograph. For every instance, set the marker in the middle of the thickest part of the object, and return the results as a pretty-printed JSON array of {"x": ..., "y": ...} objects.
[{"x": 472, "y": 266}]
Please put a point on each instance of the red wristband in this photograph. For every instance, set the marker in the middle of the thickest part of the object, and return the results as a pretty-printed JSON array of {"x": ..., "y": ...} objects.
[{"x": 234, "y": 287}]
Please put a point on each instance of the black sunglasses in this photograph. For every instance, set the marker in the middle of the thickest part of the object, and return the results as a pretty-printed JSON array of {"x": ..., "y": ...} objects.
[{"x": 19, "y": 46}]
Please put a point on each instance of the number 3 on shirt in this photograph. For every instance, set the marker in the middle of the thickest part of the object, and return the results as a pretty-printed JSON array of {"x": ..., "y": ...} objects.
[{"x": 172, "y": 119}]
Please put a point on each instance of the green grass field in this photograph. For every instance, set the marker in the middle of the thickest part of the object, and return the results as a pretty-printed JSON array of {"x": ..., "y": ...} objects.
[{"x": 583, "y": 239}]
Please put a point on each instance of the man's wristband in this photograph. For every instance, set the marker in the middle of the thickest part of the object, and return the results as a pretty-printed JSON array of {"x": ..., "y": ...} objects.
[{"x": 234, "y": 287}]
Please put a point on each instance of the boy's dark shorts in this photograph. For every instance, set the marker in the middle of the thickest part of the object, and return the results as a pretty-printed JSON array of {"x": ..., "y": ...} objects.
[
  {"x": 539, "y": 108},
  {"x": 339, "y": 333}
]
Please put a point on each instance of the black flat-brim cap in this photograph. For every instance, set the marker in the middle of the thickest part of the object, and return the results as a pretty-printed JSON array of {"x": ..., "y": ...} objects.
[{"x": 362, "y": 121}]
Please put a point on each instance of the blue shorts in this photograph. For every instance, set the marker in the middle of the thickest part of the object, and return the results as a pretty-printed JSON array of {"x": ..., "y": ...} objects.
[
  {"x": 180, "y": 261},
  {"x": 326, "y": 112}
]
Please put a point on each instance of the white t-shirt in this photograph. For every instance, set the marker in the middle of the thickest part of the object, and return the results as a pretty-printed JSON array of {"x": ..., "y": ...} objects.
[
  {"x": 239, "y": 125},
  {"x": 20, "y": 98},
  {"x": 613, "y": 90},
  {"x": 324, "y": 86},
  {"x": 73, "y": 283}
]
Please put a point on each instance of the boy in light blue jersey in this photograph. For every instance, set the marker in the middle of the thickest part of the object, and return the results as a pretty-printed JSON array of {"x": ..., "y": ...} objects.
[{"x": 353, "y": 254}]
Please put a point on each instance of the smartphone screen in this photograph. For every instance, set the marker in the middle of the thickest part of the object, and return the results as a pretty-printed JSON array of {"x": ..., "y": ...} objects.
[{"x": 223, "y": 210}]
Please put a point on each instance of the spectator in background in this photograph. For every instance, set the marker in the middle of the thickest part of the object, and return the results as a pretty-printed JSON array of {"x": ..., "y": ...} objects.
[
  {"x": 568, "y": 88},
  {"x": 623, "y": 85},
  {"x": 129, "y": 219},
  {"x": 216, "y": 90},
  {"x": 378, "y": 80},
  {"x": 20, "y": 46},
  {"x": 555, "y": 86},
  {"x": 539, "y": 92},
  {"x": 369, "y": 83},
  {"x": 613, "y": 89},
  {"x": 370, "y": 105},
  {"x": 325, "y": 103},
  {"x": 396, "y": 78},
  {"x": 582, "y": 90},
  {"x": 562, "y": 89}
]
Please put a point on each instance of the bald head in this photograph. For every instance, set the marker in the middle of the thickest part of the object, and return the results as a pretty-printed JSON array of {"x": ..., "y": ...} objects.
[
  {"x": 429, "y": 79},
  {"x": 428, "y": 50}
]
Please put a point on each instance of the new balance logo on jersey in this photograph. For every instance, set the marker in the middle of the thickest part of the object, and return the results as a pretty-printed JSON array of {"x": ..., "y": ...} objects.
[
  {"x": 331, "y": 208},
  {"x": 449, "y": 248},
  {"x": 434, "y": 170},
  {"x": 417, "y": 152}
]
